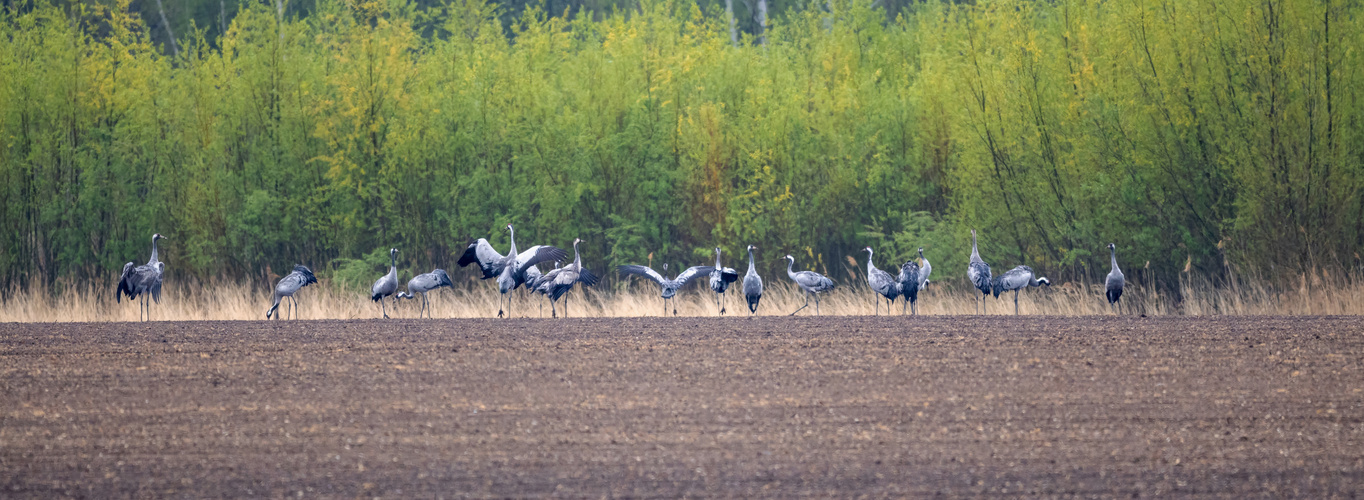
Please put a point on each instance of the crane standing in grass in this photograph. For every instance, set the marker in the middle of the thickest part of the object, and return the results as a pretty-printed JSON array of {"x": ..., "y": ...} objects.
[
  {"x": 811, "y": 282},
  {"x": 1116, "y": 281},
  {"x": 510, "y": 270},
  {"x": 669, "y": 286},
  {"x": 288, "y": 286},
  {"x": 909, "y": 282},
  {"x": 753, "y": 284},
  {"x": 558, "y": 282},
  {"x": 141, "y": 281},
  {"x": 881, "y": 282},
  {"x": 924, "y": 270},
  {"x": 387, "y": 284},
  {"x": 979, "y": 272},
  {"x": 423, "y": 283},
  {"x": 1016, "y": 279},
  {"x": 720, "y": 278}
]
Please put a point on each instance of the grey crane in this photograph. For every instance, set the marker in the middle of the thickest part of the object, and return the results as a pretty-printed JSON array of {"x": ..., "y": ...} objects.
[
  {"x": 510, "y": 270},
  {"x": 811, "y": 282},
  {"x": 924, "y": 269},
  {"x": 1016, "y": 279},
  {"x": 979, "y": 272},
  {"x": 910, "y": 280},
  {"x": 720, "y": 278},
  {"x": 669, "y": 286},
  {"x": 753, "y": 284},
  {"x": 142, "y": 281},
  {"x": 387, "y": 284},
  {"x": 536, "y": 282},
  {"x": 881, "y": 282},
  {"x": 423, "y": 283},
  {"x": 288, "y": 286},
  {"x": 559, "y": 281},
  {"x": 1116, "y": 281}
]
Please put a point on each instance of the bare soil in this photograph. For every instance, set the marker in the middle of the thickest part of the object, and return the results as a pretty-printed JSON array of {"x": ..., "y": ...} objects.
[{"x": 645, "y": 407}]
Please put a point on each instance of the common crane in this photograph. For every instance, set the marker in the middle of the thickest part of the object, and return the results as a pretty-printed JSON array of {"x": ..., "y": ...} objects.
[
  {"x": 753, "y": 284},
  {"x": 423, "y": 283},
  {"x": 288, "y": 286},
  {"x": 141, "y": 281},
  {"x": 1016, "y": 279},
  {"x": 1116, "y": 281},
  {"x": 924, "y": 269},
  {"x": 669, "y": 286},
  {"x": 386, "y": 284},
  {"x": 558, "y": 282},
  {"x": 510, "y": 270},
  {"x": 881, "y": 282},
  {"x": 720, "y": 278},
  {"x": 979, "y": 272},
  {"x": 811, "y": 282},
  {"x": 909, "y": 281}
]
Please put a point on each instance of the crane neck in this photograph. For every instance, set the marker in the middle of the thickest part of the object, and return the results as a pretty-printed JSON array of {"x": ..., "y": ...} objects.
[
  {"x": 1113, "y": 254},
  {"x": 577, "y": 257},
  {"x": 789, "y": 264},
  {"x": 870, "y": 267},
  {"x": 717, "y": 259},
  {"x": 154, "y": 258},
  {"x": 750, "y": 261},
  {"x": 512, "y": 237},
  {"x": 974, "y": 252}
]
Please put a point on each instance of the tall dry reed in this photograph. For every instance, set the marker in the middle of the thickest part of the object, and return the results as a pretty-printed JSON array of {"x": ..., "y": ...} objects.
[{"x": 1315, "y": 294}]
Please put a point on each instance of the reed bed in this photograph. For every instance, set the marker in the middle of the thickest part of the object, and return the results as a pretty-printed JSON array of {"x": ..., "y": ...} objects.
[{"x": 1315, "y": 294}]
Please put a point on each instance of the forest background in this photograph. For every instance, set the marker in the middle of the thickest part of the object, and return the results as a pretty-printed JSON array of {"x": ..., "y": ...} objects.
[{"x": 1211, "y": 138}]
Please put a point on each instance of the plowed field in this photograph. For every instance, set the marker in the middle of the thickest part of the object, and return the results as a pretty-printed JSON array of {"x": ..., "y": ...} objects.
[{"x": 642, "y": 407}]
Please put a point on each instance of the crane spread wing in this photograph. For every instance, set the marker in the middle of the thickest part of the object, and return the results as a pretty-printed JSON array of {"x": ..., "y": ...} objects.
[
  {"x": 587, "y": 278},
  {"x": 692, "y": 272},
  {"x": 537, "y": 254},
  {"x": 643, "y": 271},
  {"x": 729, "y": 275},
  {"x": 488, "y": 259}
]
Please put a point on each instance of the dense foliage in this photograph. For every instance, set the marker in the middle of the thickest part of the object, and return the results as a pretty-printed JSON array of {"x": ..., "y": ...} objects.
[{"x": 1206, "y": 135}]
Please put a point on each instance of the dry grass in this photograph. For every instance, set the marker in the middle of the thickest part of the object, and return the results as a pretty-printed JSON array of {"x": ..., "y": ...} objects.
[{"x": 1312, "y": 294}]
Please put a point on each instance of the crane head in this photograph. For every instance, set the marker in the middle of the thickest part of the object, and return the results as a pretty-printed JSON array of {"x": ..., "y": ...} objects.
[
  {"x": 1112, "y": 246},
  {"x": 717, "y": 250},
  {"x": 158, "y": 236},
  {"x": 867, "y": 249},
  {"x": 790, "y": 258}
]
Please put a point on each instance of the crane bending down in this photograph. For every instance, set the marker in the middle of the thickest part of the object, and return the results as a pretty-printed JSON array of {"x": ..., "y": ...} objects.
[
  {"x": 1016, "y": 279},
  {"x": 386, "y": 284},
  {"x": 510, "y": 270},
  {"x": 288, "y": 286},
  {"x": 881, "y": 282},
  {"x": 141, "y": 281},
  {"x": 423, "y": 283},
  {"x": 669, "y": 286},
  {"x": 720, "y": 278},
  {"x": 811, "y": 282},
  {"x": 1116, "y": 281},
  {"x": 910, "y": 280},
  {"x": 979, "y": 272},
  {"x": 558, "y": 282},
  {"x": 753, "y": 284}
]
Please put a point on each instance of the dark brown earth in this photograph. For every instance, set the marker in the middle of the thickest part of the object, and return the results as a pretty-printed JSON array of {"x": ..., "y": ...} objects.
[{"x": 775, "y": 407}]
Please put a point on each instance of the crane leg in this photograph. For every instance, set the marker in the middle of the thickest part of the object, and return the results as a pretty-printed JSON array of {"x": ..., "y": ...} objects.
[
  {"x": 566, "y": 304},
  {"x": 816, "y": 304},
  {"x": 876, "y": 309},
  {"x": 807, "y": 304},
  {"x": 1015, "y": 302}
]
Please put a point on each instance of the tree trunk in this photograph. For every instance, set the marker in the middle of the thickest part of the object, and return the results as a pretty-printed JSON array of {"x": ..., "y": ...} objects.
[
  {"x": 733, "y": 29},
  {"x": 762, "y": 22},
  {"x": 175, "y": 49}
]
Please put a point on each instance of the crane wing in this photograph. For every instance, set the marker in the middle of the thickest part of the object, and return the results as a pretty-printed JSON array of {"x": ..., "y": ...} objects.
[
  {"x": 535, "y": 255},
  {"x": 124, "y": 284},
  {"x": 693, "y": 272},
  {"x": 643, "y": 271},
  {"x": 488, "y": 259},
  {"x": 156, "y": 280},
  {"x": 587, "y": 278},
  {"x": 729, "y": 275},
  {"x": 308, "y": 276}
]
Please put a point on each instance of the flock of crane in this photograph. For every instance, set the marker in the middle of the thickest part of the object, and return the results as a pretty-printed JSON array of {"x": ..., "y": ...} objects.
[{"x": 515, "y": 269}]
